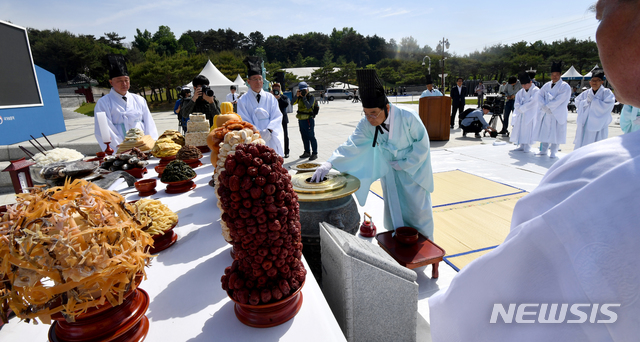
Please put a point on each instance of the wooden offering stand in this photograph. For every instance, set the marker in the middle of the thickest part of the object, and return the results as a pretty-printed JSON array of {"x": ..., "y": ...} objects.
[
  {"x": 164, "y": 241},
  {"x": 269, "y": 315},
  {"x": 123, "y": 323},
  {"x": 423, "y": 252}
]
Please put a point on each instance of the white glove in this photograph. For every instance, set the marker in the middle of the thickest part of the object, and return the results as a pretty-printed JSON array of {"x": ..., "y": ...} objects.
[
  {"x": 395, "y": 166},
  {"x": 266, "y": 135},
  {"x": 321, "y": 172}
]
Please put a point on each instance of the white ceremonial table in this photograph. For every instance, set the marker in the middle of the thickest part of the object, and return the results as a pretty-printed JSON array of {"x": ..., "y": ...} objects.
[{"x": 187, "y": 302}]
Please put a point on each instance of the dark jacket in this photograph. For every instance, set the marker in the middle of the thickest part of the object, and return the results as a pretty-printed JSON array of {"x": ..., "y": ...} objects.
[
  {"x": 458, "y": 99},
  {"x": 283, "y": 103},
  {"x": 201, "y": 106}
]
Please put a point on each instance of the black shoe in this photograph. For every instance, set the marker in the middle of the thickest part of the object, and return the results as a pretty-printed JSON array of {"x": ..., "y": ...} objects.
[
  {"x": 464, "y": 135},
  {"x": 286, "y": 155},
  {"x": 313, "y": 156},
  {"x": 478, "y": 135},
  {"x": 305, "y": 155}
]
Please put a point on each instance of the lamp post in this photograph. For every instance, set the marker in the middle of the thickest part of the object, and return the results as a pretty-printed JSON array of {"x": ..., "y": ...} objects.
[
  {"x": 444, "y": 43},
  {"x": 429, "y": 63}
]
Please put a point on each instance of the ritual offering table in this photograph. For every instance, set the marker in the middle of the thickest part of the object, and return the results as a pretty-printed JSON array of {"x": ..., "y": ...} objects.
[
  {"x": 329, "y": 201},
  {"x": 423, "y": 252}
]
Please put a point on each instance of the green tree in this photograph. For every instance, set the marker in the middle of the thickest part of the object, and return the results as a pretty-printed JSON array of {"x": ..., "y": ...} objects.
[
  {"x": 323, "y": 76},
  {"x": 187, "y": 44},
  {"x": 165, "y": 40},
  {"x": 142, "y": 40}
]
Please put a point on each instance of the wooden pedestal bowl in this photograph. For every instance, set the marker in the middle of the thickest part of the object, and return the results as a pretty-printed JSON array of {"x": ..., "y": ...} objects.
[
  {"x": 406, "y": 235},
  {"x": 125, "y": 322},
  {"x": 269, "y": 315}
]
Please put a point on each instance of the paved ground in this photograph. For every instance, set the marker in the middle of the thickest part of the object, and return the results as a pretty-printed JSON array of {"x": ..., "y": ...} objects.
[{"x": 334, "y": 124}]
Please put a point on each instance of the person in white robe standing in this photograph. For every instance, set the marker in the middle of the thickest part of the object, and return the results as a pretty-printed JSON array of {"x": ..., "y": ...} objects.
[
  {"x": 260, "y": 108},
  {"x": 430, "y": 91},
  {"x": 391, "y": 144},
  {"x": 551, "y": 125},
  {"x": 123, "y": 109},
  {"x": 594, "y": 112},
  {"x": 525, "y": 112},
  {"x": 572, "y": 256}
]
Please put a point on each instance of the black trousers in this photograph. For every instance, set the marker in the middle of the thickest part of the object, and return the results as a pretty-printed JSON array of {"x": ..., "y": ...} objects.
[
  {"x": 474, "y": 127},
  {"x": 508, "y": 108},
  {"x": 286, "y": 136},
  {"x": 456, "y": 108}
]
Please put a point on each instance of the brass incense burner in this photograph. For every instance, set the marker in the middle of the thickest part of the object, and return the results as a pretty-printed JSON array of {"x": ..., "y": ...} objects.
[{"x": 334, "y": 186}]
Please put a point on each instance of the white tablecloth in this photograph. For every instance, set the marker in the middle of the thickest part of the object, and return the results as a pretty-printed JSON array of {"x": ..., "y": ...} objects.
[{"x": 187, "y": 300}]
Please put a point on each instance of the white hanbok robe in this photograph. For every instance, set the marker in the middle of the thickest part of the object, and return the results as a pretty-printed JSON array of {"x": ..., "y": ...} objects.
[
  {"x": 407, "y": 193},
  {"x": 264, "y": 115},
  {"x": 551, "y": 123},
  {"x": 122, "y": 116},
  {"x": 594, "y": 116},
  {"x": 574, "y": 240},
  {"x": 629, "y": 119},
  {"x": 524, "y": 116}
]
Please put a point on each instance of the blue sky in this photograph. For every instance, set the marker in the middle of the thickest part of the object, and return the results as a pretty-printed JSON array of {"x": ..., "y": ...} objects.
[{"x": 468, "y": 25}]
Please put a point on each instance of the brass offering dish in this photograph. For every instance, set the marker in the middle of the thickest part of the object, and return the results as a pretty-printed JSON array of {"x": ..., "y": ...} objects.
[{"x": 305, "y": 167}]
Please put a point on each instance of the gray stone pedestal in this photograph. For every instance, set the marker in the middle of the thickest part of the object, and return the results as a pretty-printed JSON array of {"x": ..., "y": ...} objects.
[{"x": 372, "y": 297}]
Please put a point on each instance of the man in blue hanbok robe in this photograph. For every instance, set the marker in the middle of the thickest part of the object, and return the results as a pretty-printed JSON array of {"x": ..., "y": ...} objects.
[
  {"x": 594, "y": 112},
  {"x": 629, "y": 119},
  {"x": 391, "y": 144}
]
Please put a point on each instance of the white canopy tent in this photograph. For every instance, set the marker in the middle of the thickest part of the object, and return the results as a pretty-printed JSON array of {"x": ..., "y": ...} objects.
[
  {"x": 571, "y": 75},
  {"x": 241, "y": 86},
  {"x": 218, "y": 82}
]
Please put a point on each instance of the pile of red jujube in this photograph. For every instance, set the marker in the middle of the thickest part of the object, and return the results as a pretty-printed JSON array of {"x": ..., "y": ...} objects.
[{"x": 262, "y": 212}]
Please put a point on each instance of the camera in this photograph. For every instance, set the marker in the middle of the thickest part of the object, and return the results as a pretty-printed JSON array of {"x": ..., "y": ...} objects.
[
  {"x": 276, "y": 92},
  {"x": 303, "y": 92},
  {"x": 207, "y": 90}
]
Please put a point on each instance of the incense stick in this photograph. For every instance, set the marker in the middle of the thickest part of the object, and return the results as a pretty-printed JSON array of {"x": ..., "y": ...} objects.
[
  {"x": 36, "y": 140},
  {"x": 27, "y": 152},
  {"x": 37, "y": 148},
  {"x": 47, "y": 140}
]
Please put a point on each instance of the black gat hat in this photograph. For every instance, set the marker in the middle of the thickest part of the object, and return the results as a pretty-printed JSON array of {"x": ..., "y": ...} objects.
[
  {"x": 117, "y": 66},
  {"x": 254, "y": 65},
  {"x": 371, "y": 89}
]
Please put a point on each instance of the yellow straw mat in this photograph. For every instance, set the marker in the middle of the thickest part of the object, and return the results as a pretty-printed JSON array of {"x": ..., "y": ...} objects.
[{"x": 458, "y": 186}]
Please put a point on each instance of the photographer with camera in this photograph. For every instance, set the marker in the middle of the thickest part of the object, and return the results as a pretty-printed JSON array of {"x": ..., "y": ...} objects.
[
  {"x": 283, "y": 103},
  {"x": 306, "y": 120},
  {"x": 203, "y": 100},
  {"x": 184, "y": 95}
]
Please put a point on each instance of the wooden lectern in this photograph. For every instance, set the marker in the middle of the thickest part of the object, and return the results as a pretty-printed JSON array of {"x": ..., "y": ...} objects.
[{"x": 435, "y": 113}]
